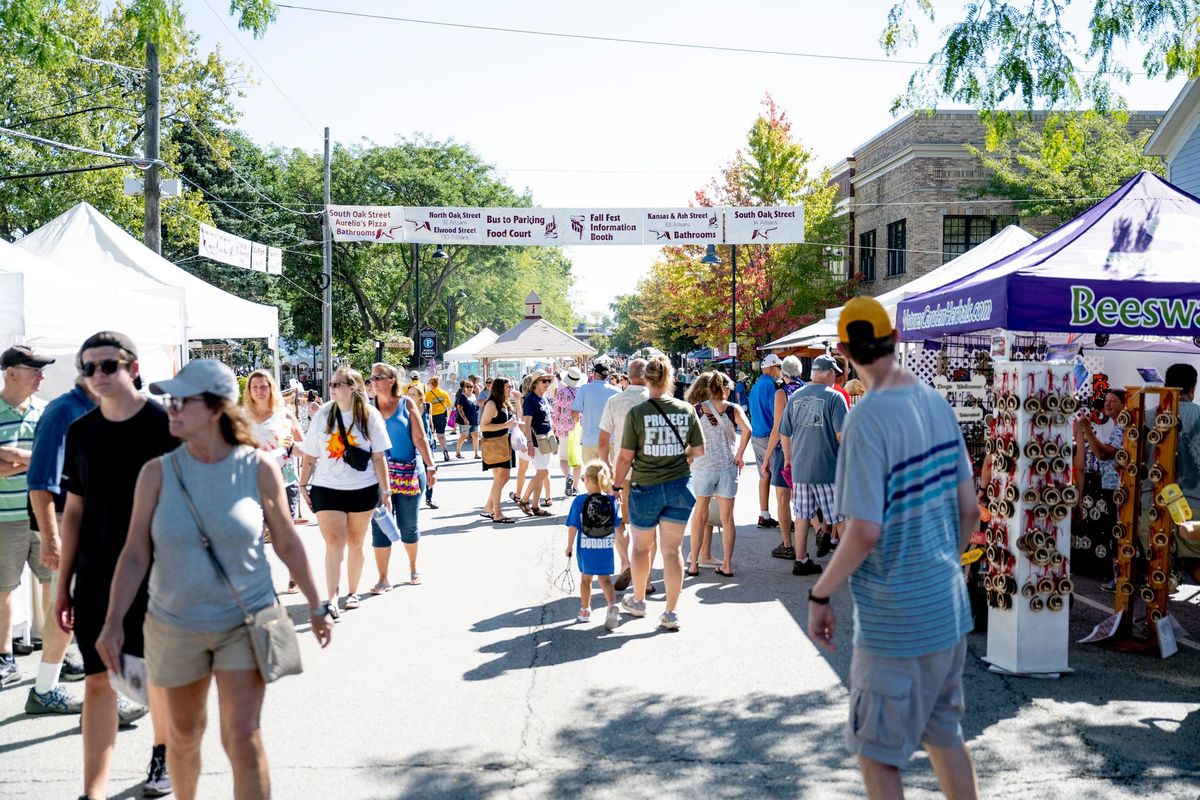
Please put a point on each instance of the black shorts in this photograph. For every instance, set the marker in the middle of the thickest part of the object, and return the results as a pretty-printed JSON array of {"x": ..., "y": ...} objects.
[
  {"x": 90, "y": 603},
  {"x": 439, "y": 423},
  {"x": 349, "y": 501}
]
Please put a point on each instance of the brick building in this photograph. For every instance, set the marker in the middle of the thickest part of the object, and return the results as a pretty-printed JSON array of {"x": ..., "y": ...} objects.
[{"x": 903, "y": 192}]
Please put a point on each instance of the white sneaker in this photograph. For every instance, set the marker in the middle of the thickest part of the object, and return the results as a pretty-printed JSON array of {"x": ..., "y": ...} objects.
[
  {"x": 669, "y": 621},
  {"x": 633, "y": 607},
  {"x": 584, "y": 615},
  {"x": 612, "y": 618}
]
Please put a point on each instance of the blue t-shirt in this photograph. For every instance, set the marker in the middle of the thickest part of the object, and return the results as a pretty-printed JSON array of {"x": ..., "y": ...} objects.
[
  {"x": 50, "y": 440},
  {"x": 589, "y": 401},
  {"x": 593, "y": 554},
  {"x": 762, "y": 406},
  {"x": 538, "y": 409},
  {"x": 812, "y": 419},
  {"x": 468, "y": 409},
  {"x": 901, "y": 462}
]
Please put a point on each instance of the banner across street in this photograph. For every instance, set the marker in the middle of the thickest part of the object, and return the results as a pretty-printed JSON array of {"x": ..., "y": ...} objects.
[{"x": 565, "y": 227}]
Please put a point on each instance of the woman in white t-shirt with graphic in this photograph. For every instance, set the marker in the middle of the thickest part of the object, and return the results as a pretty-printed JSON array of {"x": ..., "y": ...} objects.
[{"x": 345, "y": 457}]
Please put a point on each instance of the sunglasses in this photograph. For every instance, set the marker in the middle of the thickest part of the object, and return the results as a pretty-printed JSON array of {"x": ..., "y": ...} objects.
[
  {"x": 336, "y": 384},
  {"x": 376, "y": 379},
  {"x": 108, "y": 366},
  {"x": 177, "y": 404},
  {"x": 545, "y": 380}
]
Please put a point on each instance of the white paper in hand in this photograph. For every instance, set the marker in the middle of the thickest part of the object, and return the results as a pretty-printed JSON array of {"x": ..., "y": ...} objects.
[{"x": 132, "y": 680}]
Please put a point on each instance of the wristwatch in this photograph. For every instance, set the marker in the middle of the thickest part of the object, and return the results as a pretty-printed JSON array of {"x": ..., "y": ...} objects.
[
  {"x": 821, "y": 601},
  {"x": 321, "y": 610}
]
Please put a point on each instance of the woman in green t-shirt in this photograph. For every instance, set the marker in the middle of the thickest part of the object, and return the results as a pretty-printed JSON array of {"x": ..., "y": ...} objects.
[{"x": 661, "y": 437}]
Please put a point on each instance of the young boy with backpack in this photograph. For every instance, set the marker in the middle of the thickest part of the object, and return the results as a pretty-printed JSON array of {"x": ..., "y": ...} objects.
[{"x": 591, "y": 525}]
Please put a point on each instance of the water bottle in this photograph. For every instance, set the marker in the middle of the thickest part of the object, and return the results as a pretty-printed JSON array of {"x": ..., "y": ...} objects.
[{"x": 387, "y": 523}]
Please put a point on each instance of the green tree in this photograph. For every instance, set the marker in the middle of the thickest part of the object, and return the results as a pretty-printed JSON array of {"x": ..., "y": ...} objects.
[
  {"x": 1024, "y": 51},
  {"x": 626, "y": 332},
  {"x": 1060, "y": 169}
]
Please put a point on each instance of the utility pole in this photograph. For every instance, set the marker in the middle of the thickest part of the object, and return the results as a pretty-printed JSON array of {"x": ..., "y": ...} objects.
[
  {"x": 152, "y": 224},
  {"x": 326, "y": 283},
  {"x": 416, "y": 259}
]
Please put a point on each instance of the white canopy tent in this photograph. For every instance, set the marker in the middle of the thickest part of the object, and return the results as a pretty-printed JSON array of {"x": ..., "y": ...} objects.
[
  {"x": 1008, "y": 241},
  {"x": 53, "y": 308},
  {"x": 469, "y": 350},
  {"x": 88, "y": 241}
]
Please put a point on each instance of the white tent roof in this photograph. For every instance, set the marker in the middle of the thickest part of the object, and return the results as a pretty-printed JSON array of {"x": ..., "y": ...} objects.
[
  {"x": 86, "y": 240},
  {"x": 468, "y": 349},
  {"x": 1004, "y": 243},
  {"x": 53, "y": 308}
]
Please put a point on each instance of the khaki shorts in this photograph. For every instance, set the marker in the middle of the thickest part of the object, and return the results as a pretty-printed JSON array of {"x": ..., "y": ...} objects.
[
  {"x": 20, "y": 545},
  {"x": 591, "y": 454},
  {"x": 176, "y": 657},
  {"x": 898, "y": 704}
]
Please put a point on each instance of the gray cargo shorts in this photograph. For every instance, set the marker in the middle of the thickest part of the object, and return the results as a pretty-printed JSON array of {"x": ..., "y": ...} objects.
[
  {"x": 898, "y": 704},
  {"x": 20, "y": 545}
]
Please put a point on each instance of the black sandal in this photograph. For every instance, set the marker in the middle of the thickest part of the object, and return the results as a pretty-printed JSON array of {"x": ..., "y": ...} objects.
[
  {"x": 692, "y": 574},
  {"x": 504, "y": 520}
]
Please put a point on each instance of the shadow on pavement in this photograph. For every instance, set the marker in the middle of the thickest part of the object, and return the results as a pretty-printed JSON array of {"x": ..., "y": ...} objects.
[{"x": 451, "y": 774}]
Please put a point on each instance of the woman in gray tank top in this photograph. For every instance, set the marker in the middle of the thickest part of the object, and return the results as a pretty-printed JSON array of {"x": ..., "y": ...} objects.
[{"x": 195, "y": 629}]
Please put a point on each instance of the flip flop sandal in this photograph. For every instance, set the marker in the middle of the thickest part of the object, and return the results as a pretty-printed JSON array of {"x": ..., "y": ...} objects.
[
  {"x": 381, "y": 587},
  {"x": 292, "y": 588},
  {"x": 693, "y": 572},
  {"x": 503, "y": 520},
  {"x": 415, "y": 579},
  {"x": 485, "y": 514},
  {"x": 547, "y": 503},
  {"x": 723, "y": 573},
  {"x": 351, "y": 601}
]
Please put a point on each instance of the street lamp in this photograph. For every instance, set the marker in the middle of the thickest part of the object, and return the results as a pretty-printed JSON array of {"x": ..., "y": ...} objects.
[
  {"x": 711, "y": 257},
  {"x": 438, "y": 255},
  {"x": 451, "y": 315}
]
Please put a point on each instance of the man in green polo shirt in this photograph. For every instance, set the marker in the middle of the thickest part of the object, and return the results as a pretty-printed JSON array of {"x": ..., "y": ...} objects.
[{"x": 19, "y": 544}]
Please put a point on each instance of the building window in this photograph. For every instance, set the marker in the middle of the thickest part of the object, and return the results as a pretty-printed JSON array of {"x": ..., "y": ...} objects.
[
  {"x": 896, "y": 237},
  {"x": 866, "y": 255},
  {"x": 961, "y": 233}
]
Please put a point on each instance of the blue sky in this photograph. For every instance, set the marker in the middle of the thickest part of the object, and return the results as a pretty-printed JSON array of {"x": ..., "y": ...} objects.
[{"x": 581, "y": 123}]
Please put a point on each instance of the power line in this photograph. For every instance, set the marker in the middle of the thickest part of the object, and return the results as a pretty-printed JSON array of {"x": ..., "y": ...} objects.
[
  {"x": 53, "y": 172},
  {"x": 236, "y": 210},
  {"x": 607, "y": 39},
  {"x": 278, "y": 88},
  {"x": 140, "y": 163},
  {"x": 245, "y": 181}
]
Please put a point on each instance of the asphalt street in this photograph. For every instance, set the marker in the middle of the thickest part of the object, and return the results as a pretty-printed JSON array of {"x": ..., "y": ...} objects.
[{"x": 478, "y": 684}]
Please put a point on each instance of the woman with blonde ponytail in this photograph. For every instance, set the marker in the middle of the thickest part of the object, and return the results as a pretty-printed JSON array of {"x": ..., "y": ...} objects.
[
  {"x": 347, "y": 485},
  {"x": 661, "y": 437}
]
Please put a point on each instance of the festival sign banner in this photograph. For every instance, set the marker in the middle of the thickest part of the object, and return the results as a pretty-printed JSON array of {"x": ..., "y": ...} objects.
[
  {"x": 274, "y": 261},
  {"x": 443, "y": 225},
  {"x": 764, "y": 225},
  {"x": 672, "y": 226},
  {"x": 366, "y": 223},
  {"x": 258, "y": 257},
  {"x": 225, "y": 247},
  {"x": 525, "y": 226},
  {"x": 604, "y": 226}
]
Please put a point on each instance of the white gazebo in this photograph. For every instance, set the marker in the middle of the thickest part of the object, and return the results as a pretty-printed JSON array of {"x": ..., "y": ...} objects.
[{"x": 535, "y": 338}]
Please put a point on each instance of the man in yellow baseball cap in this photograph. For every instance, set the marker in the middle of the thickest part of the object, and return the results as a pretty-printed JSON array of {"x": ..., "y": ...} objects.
[{"x": 904, "y": 486}]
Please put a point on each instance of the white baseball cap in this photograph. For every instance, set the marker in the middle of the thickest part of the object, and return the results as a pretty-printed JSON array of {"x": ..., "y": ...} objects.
[
  {"x": 200, "y": 376},
  {"x": 771, "y": 360}
]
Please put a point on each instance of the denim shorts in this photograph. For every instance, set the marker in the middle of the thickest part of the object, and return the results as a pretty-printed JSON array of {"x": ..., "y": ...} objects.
[
  {"x": 715, "y": 482},
  {"x": 405, "y": 509},
  {"x": 670, "y": 501}
]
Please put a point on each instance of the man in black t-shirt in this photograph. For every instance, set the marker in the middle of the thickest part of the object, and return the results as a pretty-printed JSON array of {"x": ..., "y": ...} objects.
[{"x": 106, "y": 449}]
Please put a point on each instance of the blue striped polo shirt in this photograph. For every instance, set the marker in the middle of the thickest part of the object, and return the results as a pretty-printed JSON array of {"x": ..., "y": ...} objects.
[
  {"x": 901, "y": 460},
  {"x": 16, "y": 430}
]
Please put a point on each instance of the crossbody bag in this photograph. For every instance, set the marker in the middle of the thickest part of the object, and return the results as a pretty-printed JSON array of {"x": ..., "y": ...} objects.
[
  {"x": 272, "y": 634},
  {"x": 356, "y": 457}
]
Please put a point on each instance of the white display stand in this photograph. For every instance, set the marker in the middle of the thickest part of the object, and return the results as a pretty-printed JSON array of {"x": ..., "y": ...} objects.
[{"x": 1022, "y": 640}]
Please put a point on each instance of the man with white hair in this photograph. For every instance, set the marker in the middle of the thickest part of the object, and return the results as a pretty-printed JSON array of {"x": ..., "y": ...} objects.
[
  {"x": 773, "y": 468},
  {"x": 762, "y": 420},
  {"x": 812, "y": 432}
]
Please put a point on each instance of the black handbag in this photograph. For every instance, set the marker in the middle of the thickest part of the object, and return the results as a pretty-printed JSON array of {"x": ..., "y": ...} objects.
[{"x": 355, "y": 457}]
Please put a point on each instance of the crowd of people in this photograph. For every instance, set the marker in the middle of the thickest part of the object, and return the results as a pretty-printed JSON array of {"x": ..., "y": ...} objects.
[{"x": 145, "y": 518}]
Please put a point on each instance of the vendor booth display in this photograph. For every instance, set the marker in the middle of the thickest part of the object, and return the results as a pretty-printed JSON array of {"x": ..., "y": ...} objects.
[
  {"x": 1147, "y": 468},
  {"x": 1029, "y": 500}
]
